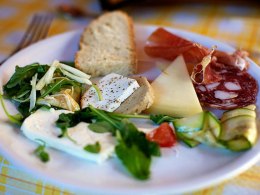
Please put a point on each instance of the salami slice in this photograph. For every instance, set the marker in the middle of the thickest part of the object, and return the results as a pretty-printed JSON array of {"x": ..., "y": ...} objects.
[{"x": 235, "y": 89}]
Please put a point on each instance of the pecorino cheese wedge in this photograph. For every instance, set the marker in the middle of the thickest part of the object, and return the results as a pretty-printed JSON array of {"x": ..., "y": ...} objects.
[{"x": 174, "y": 92}]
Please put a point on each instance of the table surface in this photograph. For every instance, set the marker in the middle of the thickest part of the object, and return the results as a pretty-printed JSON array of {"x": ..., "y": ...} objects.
[{"x": 236, "y": 25}]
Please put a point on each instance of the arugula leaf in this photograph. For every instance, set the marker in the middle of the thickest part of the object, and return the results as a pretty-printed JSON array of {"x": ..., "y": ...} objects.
[
  {"x": 65, "y": 121},
  {"x": 130, "y": 134},
  {"x": 133, "y": 149},
  {"x": 103, "y": 115},
  {"x": 135, "y": 160},
  {"x": 23, "y": 75},
  {"x": 99, "y": 94},
  {"x": 23, "y": 108},
  {"x": 17, "y": 118},
  {"x": 57, "y": 86},
  {"x": 40, "y": 153},
  {"x": 101, "y": 127},
  {"x": 72, "y": 119},
  {"x": 93, "y": 148},
  {"x": 132, "y": 144},
  {"x": 160, "y": 118},
  {"x": 70, "y": 63},
  {"x": 18, "y": 87},
  {"x": 120, "y": 116},
  {"x": 23, "y": 94}
]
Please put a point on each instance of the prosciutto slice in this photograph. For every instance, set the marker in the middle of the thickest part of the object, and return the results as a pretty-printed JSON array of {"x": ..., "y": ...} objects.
[
  {"x": 163, "y": 44},
  {"x": 236, "y": 59}
]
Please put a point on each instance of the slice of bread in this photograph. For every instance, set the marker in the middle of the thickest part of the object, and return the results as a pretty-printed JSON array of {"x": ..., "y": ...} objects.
[
  {"x": 107, "y": 45},
  {"x": 140, "y": 100}
]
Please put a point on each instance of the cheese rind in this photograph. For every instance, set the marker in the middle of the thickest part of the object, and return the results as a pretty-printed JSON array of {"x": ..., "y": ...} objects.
[
  {"x": 174, "y": 92},
  {"x": 41, "y": 125},
  {"x": 114, "y": 90}
]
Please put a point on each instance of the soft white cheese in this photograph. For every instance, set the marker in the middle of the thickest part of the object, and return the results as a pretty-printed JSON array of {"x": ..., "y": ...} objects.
[
  {"x": 41, "y": 125},
  {"x": 114, "y": 90}
]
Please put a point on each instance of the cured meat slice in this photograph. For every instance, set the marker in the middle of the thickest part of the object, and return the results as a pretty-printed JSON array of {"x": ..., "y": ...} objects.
[
  {"x": 210, "y": 68},
  {"x": 161, "y": 37},
  {"x": 220, "y": 79},
  {"x": 207, "y": 71},
  {"x": 235, "y": 89},
  {"x": 236, "y": 59},
  {"x": 163, "y": 44}
]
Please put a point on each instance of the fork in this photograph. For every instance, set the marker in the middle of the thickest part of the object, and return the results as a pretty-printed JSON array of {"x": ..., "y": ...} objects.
[{"x": 37, "y": 30}]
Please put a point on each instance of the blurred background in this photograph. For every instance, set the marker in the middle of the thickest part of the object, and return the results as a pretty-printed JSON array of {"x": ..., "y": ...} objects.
[{"x": 234, "y": 21}]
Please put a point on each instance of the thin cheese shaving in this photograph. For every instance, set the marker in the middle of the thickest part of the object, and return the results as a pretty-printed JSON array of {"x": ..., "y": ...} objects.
[{"x": 33, "y": 92}]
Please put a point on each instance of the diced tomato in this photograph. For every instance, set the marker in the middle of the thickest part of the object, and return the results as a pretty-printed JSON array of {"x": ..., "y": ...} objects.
[{"x": 163, "y": 135}]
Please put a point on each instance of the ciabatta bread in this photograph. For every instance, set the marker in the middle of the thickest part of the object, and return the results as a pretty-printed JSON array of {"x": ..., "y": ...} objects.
[
  {"x": 140, "y": 100},
  {"x": 107, "y": 45}
]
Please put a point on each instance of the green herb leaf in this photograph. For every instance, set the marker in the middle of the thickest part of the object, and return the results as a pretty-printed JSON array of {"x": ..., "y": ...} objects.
[
  {"x": 65, "y": 121},
  {"x": 18, "y": 87},
  {"x": 23, "y": 108},
  {"x": 93, "y": 148},
  {"x": 72, "y": 119},
  {"x": 158, "y": 119},
  {"x": 101, "y": 127},
  {"x": 39, "y": 152},
  {"x": 70, "y": 63},
  {"x": 134, "y": 160},
  {"x": 133, "y": 149},
  {"x": 120, "y": 116},
  {"x": 99, "y": 94},
  {"x": 24, "y": 74},
  {"x": 103, "y": 115},
  {"x": 57, "y": 86},
  {"x": 131, "y": 135},
  {"x": 17, "y": 118}
]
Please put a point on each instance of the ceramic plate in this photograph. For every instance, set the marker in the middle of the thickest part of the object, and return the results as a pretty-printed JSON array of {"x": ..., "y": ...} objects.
[{"x": 180, "y": 169}]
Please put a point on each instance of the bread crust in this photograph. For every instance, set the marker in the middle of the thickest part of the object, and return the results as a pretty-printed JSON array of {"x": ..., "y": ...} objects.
[
  {"x": 140, "y": 100},
  {"x": 108, "y": 61}
]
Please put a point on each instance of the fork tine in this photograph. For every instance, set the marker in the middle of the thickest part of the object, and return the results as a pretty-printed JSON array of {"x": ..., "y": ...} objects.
[
  {"x": 27, "y": 34},
  {"x": 40, "y": 30},
  {"x": 42, "y": 23},
  {"x": 45, "y": 26},
  {"x": 37, "y": 30}
]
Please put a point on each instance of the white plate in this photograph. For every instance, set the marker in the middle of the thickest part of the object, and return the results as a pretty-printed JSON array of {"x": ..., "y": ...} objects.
[{"x": 180, "y": 169}]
